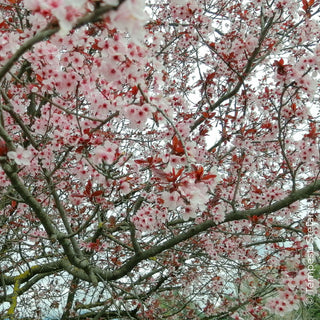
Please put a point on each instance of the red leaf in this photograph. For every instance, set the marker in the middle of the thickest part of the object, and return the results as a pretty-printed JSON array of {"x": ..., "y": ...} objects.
[
  {"x": 281, "y": 67},
  {"x": 210, "y": 76},
  {"x": 252, "y": 130},
  {"x": 97, "y": 193},
  {"x": 134, "y": 90},
  {"x": 173, "y": 176},
  {"x": 312, "y": 132},
  {"x": 256, "y": 189},
  {"x": 3, "y": 148},
  {"x": 88, "y": 188},
  {"x": 79, "y": 149},
  {"x": 266, "y": 125},
  {"x": 254, "y": 219},
  {"x": 39, "y": 78},
  {"x": 155, "y": 117},
  {"x": 203, "y": 132},
  {"x": 176, "y": 146},
  {"x": 198, "y": 172},
  {"x": 209, "y": 176},
  {"x": 4, "y": 25},
  {"x": 305, "y": 5},
  {"x": 9, "y": 94},
  {"x": 149, "y": 160},
  {"x": 140, "y": 161},
  {"x": 77, "y": 195}
]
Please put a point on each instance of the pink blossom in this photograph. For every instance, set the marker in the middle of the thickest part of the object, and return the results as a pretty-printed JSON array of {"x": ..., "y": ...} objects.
[
  {"x": 150, "y": 218},
  {"x": 97, "y": 246},
  {"x": 130, "y": 17},
  {"x": 138, "y": 115},
  {"x": 189, "y": 212},
  {"x": 218, "y": 214},
  {"x": 195, "y": 193},
  {"x": 125, "y": 187},
  {"x": 106, "y": 153},
  {"x": 251, "y": 43},
  {"x": 32, "y": 4},
  {"x": 171, "y": 200},
  {"x": 38, "y": 234},
  {"x": 21, "y": 156},
  {"x": 66, "y": 82},
  {"x": 66, "y": 11},
  {"x": 111, "y": 72},
  {"x": 236, "y": 316}
]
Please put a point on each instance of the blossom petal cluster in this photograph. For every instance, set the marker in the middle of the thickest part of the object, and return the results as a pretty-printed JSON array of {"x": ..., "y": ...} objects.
[{"x": 21, "y": 156}]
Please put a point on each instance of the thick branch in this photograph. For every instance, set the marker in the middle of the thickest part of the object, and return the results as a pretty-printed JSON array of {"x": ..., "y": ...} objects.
[
  {"x": 51, "y": 267},
  {"x": 72, "y": 292},
  {"x": 300, "y": 194},
  {"x": 107, "y": 315},
  {"x": 29, "y": 199}
]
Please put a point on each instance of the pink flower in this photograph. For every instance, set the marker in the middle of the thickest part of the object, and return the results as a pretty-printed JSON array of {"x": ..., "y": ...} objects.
[
  {"x": 130, "y": 17},
  {"x": 148, "y": 219},
  {"x": 32, "y": 4},
  {"x": 125, "y": 187},
  {"x": 110, "y": 72},
  {"x": 66, "y": 11},
  {"x": 171, "y": 200},
  {"x": 106, "y": 153},
  {"x": 138, "y": 115},
  {"x": 189, "y": 212},
  {"x": 21, "y": 156}
]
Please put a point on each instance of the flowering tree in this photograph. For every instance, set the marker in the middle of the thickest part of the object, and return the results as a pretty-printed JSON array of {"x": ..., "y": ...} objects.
[{"x": 159, "y": 160}]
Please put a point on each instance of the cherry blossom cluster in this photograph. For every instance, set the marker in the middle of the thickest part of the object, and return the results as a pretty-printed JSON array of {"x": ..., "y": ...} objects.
[
  {"x": 288, "y": 298},
  {"x": 187, "y": 128},
  {"x": 149, "y": 219}
]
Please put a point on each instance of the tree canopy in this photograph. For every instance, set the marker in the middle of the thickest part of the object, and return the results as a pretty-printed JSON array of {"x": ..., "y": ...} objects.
[{"x": 159, "y": 159}]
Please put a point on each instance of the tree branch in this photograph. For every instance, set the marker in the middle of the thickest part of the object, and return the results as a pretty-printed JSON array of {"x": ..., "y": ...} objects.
[
  {"x": 300, "y": 194},
  {"x": 50, "y": 30}
]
